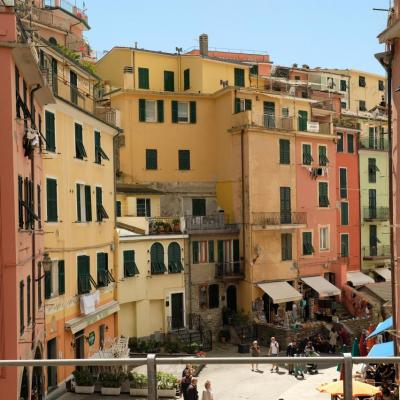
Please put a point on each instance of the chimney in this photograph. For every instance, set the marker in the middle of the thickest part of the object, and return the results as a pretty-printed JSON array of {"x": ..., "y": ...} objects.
[
  {"x": 203, "y": 44},
  {"x": 128, "y": 78}
]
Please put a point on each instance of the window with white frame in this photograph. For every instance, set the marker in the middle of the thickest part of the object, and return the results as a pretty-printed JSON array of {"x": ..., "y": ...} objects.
[
  {"x": 324, "y": 238},
  {"x": 151, "y": 111},
  {"x": 183, "y": 111},
  {"x": 83, "y": 203}
]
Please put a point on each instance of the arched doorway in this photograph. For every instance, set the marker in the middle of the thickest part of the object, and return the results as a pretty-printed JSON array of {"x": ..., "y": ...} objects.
[
  {"x": 231, "y": 298},
  {"x": 37, "y": 378},
  {"x": 24, "y": 392}
]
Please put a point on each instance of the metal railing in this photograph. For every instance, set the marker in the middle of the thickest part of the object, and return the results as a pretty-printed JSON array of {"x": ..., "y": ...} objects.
[
  {"x": 164, "y": 225},
  {"x": 67, "y": 6},
  {"x": 381, "y": 251},
  {"x": 208, "y": 222},
  {"x": 323, "y": 105},
  {"x": 278, "y": 218},
  {"x": 231, "y": 269},
  {"x": 380, "y": 213},
  {"x": 376, "y": 143},
  {"x": 151, "y": 361}
]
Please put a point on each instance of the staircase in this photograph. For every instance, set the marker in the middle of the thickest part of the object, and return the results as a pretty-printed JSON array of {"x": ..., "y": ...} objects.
[{"x": 342, "y": 312}]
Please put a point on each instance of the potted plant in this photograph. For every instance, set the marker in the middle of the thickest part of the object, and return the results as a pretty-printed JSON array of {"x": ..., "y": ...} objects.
[
  {"x": 84, "y": 381},
  {"x": 176, "y": 225},
  {"x": 138, "y": 384},
  {"x": 167, "y": 384},
  {"x": 111, "y": 382}
]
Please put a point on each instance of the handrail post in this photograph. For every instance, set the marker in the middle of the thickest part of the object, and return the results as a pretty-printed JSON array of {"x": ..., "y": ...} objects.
[
  {"x": 348, "y": 377},
  {"x": 152, "y": 377}
]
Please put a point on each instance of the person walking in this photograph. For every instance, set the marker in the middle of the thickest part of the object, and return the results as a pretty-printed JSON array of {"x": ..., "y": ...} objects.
[
  {"x": 207, "y": 393},
  {"x": 291, "y": 351},
  {"x": 274, "y": 352},
  {"x": 191, "y": 392},
  {"x": 255, "y": 352}
]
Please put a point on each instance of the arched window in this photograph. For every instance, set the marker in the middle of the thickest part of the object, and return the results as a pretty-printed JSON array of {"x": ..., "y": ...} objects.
[
  {"x": 157, "y": 259},
  {"x": 174, "y": 258},
  {"x": 53, "y": 41},
  {"x": 213, "y": 296}
]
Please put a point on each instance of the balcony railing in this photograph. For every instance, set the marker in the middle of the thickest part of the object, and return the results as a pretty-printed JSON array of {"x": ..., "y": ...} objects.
[
  {"x": 164, "y": 225},
  {"x": 208, "y": 223},
  {"x": 277, "y": 218},
  {"x": 376, "y": 143},
  {"x": 323, "y": 105},
  {"x": 232, "y": 269},
  {"x": 378, "y": 213},
  {"x": 67, "y": 6},
  {"x": 379, "y": 251}
]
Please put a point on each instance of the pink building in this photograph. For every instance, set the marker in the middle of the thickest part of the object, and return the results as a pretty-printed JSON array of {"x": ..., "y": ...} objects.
[{"x": 24, "y": 93}]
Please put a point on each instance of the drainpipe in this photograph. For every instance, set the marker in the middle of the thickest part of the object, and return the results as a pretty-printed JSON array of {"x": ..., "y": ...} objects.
[
  {"x": 243, "y": 209},
  {"x": 190, "y": 283}
]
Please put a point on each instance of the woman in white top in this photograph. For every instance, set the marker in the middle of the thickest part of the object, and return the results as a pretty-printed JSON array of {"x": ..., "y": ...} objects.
[{"x": 207, "y": 393}]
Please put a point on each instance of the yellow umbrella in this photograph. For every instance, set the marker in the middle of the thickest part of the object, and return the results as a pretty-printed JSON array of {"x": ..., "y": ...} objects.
[{"x": 359, "y": 388}]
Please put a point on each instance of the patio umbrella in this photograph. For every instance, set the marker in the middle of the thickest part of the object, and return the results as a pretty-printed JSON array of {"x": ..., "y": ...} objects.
[
  {"x": 359, "y": 388},
  {"x": 355, "y": 350}
]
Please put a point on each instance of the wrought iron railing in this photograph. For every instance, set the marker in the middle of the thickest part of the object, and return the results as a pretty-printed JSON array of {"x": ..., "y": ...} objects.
[
  {"x": 278, "y": 218},
  {"x": 230, "y": 269},
  {"x": 323, "y": 105},
  {"x": 208, "y": 222},
  {"x": 380, "y": 213},
  {"x": 379, "y": 251}
]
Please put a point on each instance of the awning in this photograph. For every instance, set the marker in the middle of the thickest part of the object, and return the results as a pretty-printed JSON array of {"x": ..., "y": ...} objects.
[
  {"x": 385, "y": 273},
  {"x": 358, "y": 278},
  {"x": 382, "y": 327},
  {"x": 280, "y": 292},
  {"x": 101, "y": 312},
  {"x": 382, "y": 350},
  {"x": 322, "y": 286}
]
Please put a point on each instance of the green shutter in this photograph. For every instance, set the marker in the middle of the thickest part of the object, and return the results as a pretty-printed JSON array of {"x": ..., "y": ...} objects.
[
  {"x": 195, "y": 249},
  {"x": 344, "y": 213},
  {"x": 184, "y": 159},
  {"x": 157, "y": 259},
  {"x": 174, "y": 258},
  {"x": 323, "y": 194},
  {"x": 21, "y": 308},
  {"x": 247, "y": 104},
  {"x": 307, "y": 243},
  {"x": 193, "y": 117},
  {"x": 211, "y": 257},
  {"x": 143, "y": 78},
  {"x": 97, "y": 147},
  {"x": 303, "y": 118},
  {"x": 339, "y": 146},
  {"x": 83, "y": 274},
  {"x": 350, "y": 143},
  {"x": 237, "y": 105},
  {"x": 344, "y": 245},
  {"x": 174, "y": 110},
  {"x": 186, "y": 79},
  {"x": 198, "y": 207},
  {"x": 151, "y": 159},
  {"x": 101, "y": 269},
  {"x": 47, "y": 284},
  {"x": 343, "y": 183},
  {"x": 130, "y": 268},
  {"x": 88, "y": 203},
  {"x": 78, "y": 203},
  {"x": 61, "y": 277},
  {"x": 236, "y": 250},
  {"x": 220, "y": 249},
  {"x": 372, "y": 170},
  {"x": 51, "y": 185},
  {"x": 239, "y": 77},
  {"x": 50, "y": 132},
  {"x": 286, "y": 244},
  {"x": 28, "y": 298},
  {"x": 284, "y": 151},
  {"x": 142, "y": 110},
  {"x": 307, "y": 157},
  {"x": 169, "y": 81},
  {"x": 118, "y": 208},
  {"x": 160, "y": 110},
  {"x": 323, "y": 159}
]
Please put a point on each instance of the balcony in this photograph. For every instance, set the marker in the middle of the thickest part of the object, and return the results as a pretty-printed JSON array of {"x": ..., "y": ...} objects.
[
  {"x": 376, "y": 213},
  {"x": 164, "y": 225},
  {"x": 277, "y": 220},
  {"x": 229, "y": 270},
  {"x": 69, "y": 8},
  {"x": 376, "y": 252},
  {"x": 379, "y": 143},
  {"x": 207, "y": 223}
]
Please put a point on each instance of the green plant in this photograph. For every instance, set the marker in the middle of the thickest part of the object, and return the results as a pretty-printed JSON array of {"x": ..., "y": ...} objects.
[
  {"x": 166, "y": 381},
  {"x": 112, "y": 379},
  {"x": 192, "y": 348},
  {"x": 172, "y": 347},
  {"x": 88, "y": 66},
  {"x": 137, "y": 380},
  {"x": 83, "y": 377}
]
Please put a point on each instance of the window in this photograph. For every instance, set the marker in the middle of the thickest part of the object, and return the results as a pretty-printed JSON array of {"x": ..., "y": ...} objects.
[
  {"x": 174, "y": 258},
  {"x": 199, "y": 207},
  {"x": 242, "y": 104},
  {"x": 184, "y": 159},
  {"x": 85, "y": 281},
  {"x": 53, "y": 41},
  {"x": 130, "y": 268},
  {"x": 344, "y": 244},
  {"x": 157, "y": 259},
  {"x": 284, "y": 151},
  {"x": 61, "y": 277},
  {"x": 211, "y": 251},
  {"x": 322, "y": 157},
  {"x": 21, "y": 308},
  {"x": 203, "y": 296},
  {"x": 308, "y": 248},
  {"x": 323, "y": 194},
  {"x": 103, "y": 276},
  {"x": 343, "y": 105},
  {"x": 307, "y": 158},
  {"x": 151, "y": 159},
  {"x": 168, "y": 81},
  {"x": 372, "y": 169},
  {"x": 50, "y": 132},
  {"x": 98, "y": 151},
  {"x": 362, "y": 106},
  {"x": 324, "y": 238},
  {"x": 118, "y": 208},
  {"x": 151, "y": 110},
  {"x": 285, "y": 205},
  {"x": 343, "y": 183},
  {"x": 39, "y": 205},
  {"x": 54, "y": 280},
  {"x": 143, "y": 78},
  {"x": 183, "y": 112},
  {"x": 73, "y": 79},
  {"x": 28, "y": 299},
  {"x": 186, "y": 79},
  {"x": 100, "y": 211},
  {"x": 28, "y": 204},
  {"x": 202, "y": 252},
  {"x": 213, "y": 296},
  {"x": 372, "y": 203},
  {"x": 303, "y": 119},
  {"x": 254, "y": 69},
  {"x": 381, "y": 85},
  {"x": 285, "y": 112},
  {"x": 239, "y": 77},
  {"x": 361, "y": 81},
  {"x": 143, "y": 207},
  {"x": 339, "y": 145},
  {"x": 344, "y": 213},
  {"x": 51, "y": 186},
  {"x": 83, "y": 203},
  {"x": 80, "y": 151},
  {"x": 286, "y": 246},
  {"x": 343, "y": 85},
  {"x": 350, "y": 143}
]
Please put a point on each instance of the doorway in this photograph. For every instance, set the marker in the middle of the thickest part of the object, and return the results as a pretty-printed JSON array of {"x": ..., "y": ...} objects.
[
  {"x": 80, "y": 344},
  {"x": 37, "y": 379},
  {"x": 231, "y": 298},
  {"x": 177, "y": 314},
  {"x": 52, "y": 371},
  {"x": 24, "y": 392}
]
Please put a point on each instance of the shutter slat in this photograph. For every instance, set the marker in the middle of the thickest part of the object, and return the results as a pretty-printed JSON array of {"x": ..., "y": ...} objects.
[
  {"x": 78, "y": 202},
  {"x": 160, "y": 110},
  {"x": 142, "y": 110},
  {"x": 174, "y": 110},
  {"x": 61, "y": 277},
  {"x": 193, "y": 116}
]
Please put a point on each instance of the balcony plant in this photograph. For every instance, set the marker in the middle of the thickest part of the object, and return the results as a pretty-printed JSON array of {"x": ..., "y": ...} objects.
[
  {"x": 167, "y": 384},
  {"x": 84, "y": 381},
  {"x": 111, "y": 382},
  {"x": 138, "y": 384},
  {"x": 176, "y": 226}
]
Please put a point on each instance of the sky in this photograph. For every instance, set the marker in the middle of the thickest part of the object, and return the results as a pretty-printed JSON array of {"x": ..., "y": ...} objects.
[{"x": 319, "y": 33}]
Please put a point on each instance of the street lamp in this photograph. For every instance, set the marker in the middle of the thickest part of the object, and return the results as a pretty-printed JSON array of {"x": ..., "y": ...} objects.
[{"x": 46, "y": 264}]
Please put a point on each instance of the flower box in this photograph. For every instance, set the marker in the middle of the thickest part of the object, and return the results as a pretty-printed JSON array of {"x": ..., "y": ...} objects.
[
  {"x": 108, "y": 391},
  {"x": 84, "y": 389},
  {"x": 138, "y": 392},
  {"x": 166, "y": 392}
]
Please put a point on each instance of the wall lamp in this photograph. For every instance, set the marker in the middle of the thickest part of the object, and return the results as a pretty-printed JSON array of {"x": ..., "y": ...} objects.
[{"x": 46, "y": 263}]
